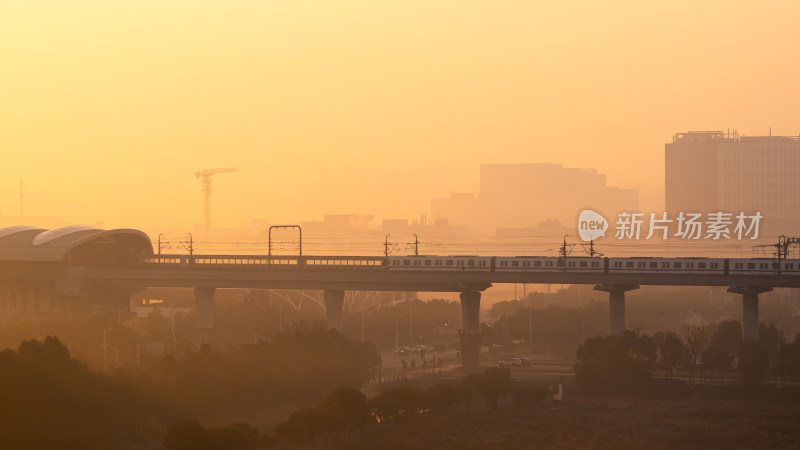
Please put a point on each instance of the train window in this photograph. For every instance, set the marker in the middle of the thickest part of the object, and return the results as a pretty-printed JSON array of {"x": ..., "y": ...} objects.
[
  {"x": 763, "y": 265},
  {"x": 751, "y": 265},
  {"x": 714, "y": 265},
  {"x": 449, "y": 262},
  {"x": 641, "y": 265},
  {"x": 537, "y": 264},
  {"x": 406, "y": 262},
  {"x": 653, "y": 265},
  {"x": 503, "y": 263},
  {"x": 514, "y": 263},
  {"x": 775, "y": 266},
  {"x": 526, "y": 263},
  {"x": 548, "y": 263},
  {"x": 396, "y": 262},
  {"x": 471, "y": 263},
  {"x": 571, "y": 264},
  {"x": 701, "y": 265},
  {"x": 629, "y": 265},
  {"x": 583, "y": 264},
  {"x": 790, "y": 266},
  {"x": 595, "y": 264},
  {"x": 617, "y": 264},
  {"x": 438, "y": 262},
  {"x": 460, "y": 263},
  {"x": 676, "y": 265},
  {"x": 665, "y": 265}
]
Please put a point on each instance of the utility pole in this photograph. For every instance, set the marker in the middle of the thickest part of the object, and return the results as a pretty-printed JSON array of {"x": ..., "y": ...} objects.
[
  {"x": 105, "y": 366},
  {"x": 564, "y": 251},
  {"x": 591, "y": 251},
  {"x": 414, "y": 245},
  {"x": 386, "y": 245},
  {"x": 530, "y": 327},
  {"x": 205, "y": 176},
  {"x": 410, "y": 321},
  {"x": 189, "y": 245}
]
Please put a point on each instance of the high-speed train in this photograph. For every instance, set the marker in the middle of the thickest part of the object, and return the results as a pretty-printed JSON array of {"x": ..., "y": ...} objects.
[{"x": 711, "y": 266}]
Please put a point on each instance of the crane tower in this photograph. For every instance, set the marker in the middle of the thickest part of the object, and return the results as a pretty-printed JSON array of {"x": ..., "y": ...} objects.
[{"x": 206, "y": 180}]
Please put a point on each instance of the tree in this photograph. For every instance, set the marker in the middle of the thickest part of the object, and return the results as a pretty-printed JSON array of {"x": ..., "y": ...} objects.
[
  {"x": 753, "y": 362},
  {"x": 770, "y": 339},
  {"x": 187, "y": 435},
  {"x": 789, "y": 360},
  {"x": 727, "y": 336},
  {"x": 396, "y": 402},
  {"x": 696, "y": 338},
  {"x": 489, "y": 384},
  {"x": 671, "y": 352},
  {"x": 717, "y": 359},
  {"x": 236, "y": 436},
  {"x": 303, "y": 425},
  {"x": 347, "y": 409},
  {"x": 630, "y": 356}
]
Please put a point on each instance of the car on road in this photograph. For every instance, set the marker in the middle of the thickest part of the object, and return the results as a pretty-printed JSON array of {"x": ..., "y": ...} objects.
[{"x": 510, "y": 362}]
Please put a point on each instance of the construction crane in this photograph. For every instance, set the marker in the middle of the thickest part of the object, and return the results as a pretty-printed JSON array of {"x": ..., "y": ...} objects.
[{"x": 206, "y": 180}]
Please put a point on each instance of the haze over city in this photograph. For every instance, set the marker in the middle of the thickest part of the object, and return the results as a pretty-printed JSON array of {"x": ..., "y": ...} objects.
[
  {"x": 364, "y": 107},
  {"x": 254, "y": 225}
]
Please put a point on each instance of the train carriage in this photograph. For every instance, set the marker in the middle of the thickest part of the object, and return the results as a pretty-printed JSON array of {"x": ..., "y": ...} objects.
[
  {"x": 441, "y": 263},
  {"x": 666, "y": 265}
]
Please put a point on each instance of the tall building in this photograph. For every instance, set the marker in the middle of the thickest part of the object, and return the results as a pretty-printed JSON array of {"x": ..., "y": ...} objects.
[
  {"x": 709, "y": 171},
  {"x": 523, "y": 195}
]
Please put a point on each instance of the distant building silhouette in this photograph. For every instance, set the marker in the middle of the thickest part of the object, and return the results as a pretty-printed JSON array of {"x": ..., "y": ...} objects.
[
  {"x": 709, "y": 171},
  {"x": 522, "y": 196}
]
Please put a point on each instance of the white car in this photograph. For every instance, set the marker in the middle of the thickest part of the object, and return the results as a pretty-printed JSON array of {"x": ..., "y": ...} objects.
[{"x": 511, "y": 362}]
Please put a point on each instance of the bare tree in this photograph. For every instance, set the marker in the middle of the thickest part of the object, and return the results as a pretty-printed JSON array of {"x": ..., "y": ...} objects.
[{"x": 697, "y": 338}]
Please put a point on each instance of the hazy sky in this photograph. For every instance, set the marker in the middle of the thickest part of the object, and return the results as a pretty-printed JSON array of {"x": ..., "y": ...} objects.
[{"x": 107, "y": 108}]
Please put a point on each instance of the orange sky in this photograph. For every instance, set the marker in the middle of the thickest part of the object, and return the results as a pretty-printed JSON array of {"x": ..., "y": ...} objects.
[{"x": 108, "y": 107}]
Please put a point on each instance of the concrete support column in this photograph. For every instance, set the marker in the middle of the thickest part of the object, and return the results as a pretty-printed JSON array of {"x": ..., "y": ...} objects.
[
  {"x": 334, "y": 303},
  {"x": 470, "y": 336},
  {"x": 749, "y": 310},
  {"x": 205, "y": 307},
  {"x": 616, "y": 304}
]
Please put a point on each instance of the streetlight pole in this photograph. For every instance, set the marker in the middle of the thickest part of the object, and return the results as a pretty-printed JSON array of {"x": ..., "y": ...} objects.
[
  {"x": 105, "y": 366},
  {"x": 410, "y": 323}
]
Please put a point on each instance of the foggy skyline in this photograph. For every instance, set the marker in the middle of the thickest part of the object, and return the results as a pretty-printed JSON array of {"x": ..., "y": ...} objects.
[{"x": 359, "y": 107}]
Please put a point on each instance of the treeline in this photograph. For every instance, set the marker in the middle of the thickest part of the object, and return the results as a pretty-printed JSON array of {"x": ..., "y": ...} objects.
[
  {"x": 50, "y": 400},
  {"x": 347, "y": 410},
  {"x": 290, "y": 369},
  {"x": 701, "y": 351}
]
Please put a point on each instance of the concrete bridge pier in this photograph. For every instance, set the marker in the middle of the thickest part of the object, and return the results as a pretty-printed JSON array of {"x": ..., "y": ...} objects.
[
  {"x": 616, "y": 305},
  {"x": 334, "y": 303},
  {"x": 749, "y": 310},
  {"x": 470, "y": 336},
  {"x": 205, "y": 307}
]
